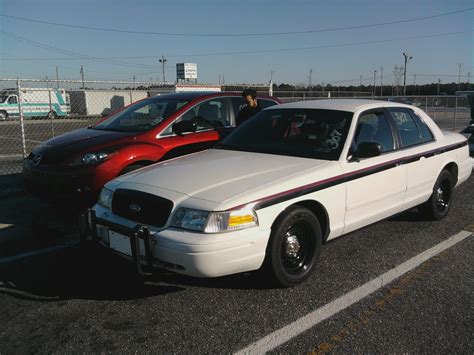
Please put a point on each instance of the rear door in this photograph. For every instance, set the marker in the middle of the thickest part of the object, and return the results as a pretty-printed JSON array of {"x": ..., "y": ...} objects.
[{"x": 416, "y": 140}]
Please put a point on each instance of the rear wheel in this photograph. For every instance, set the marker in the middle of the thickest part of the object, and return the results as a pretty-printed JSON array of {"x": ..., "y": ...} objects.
[
  {"x": 437, "y": 207},
  {"x": 3, "y": 115},
  {"x": 294, "y": 247}
]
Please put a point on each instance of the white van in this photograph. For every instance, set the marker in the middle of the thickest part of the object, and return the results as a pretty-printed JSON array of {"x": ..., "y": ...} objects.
[{"x": 35, "y": 102}]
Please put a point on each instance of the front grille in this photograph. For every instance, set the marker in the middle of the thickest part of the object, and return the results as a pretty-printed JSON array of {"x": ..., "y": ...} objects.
[{"x": 141, "y": 207}]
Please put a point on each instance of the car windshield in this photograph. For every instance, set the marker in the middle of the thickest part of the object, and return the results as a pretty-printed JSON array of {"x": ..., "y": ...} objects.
[
  {"x": 306, "y": 133},
  {"x": 141, "y": 116}
]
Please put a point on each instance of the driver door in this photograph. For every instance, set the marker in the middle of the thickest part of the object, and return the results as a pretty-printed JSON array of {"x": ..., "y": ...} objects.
[
  {"x": 210, "y": 115},
  {"x": 375, "y": 186}
]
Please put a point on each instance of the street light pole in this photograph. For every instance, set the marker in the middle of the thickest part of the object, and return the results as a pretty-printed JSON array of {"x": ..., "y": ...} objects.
[
  {"x": 407, "y": 58},
  {"x": 381, "y": 81},
  {"x": 163, "y": 61},
  {"x": 375, "y": 72},
  {"x": 459, "y": 79}
]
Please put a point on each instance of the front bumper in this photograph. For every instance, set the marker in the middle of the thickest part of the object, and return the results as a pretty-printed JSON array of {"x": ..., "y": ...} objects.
[
  {"x": 55, "y": 183},
  {"x": 184, "y": 252}
]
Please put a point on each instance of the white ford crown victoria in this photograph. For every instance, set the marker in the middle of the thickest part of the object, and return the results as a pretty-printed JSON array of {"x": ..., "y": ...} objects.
[{"x": 283, "y": 183}]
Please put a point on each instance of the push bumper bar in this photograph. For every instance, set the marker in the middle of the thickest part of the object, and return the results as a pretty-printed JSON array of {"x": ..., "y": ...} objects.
[{"x": 88, "y": 227}]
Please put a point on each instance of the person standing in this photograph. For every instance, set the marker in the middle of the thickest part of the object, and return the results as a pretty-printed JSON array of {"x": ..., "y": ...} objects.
[{"x": 251, "y": 107}]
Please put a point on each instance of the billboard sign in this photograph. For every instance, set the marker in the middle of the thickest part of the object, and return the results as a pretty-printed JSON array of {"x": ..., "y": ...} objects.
[{"x": 185, "y": 71}]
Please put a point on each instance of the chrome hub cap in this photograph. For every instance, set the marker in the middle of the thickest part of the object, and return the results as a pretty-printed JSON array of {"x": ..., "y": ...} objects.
[
  {"x": 292, "y": 245},
  {"x": 440, "y": 198}
]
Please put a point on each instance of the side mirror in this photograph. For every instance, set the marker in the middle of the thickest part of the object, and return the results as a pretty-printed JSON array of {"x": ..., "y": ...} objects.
[
  {"x": 182, "y": 127},
  {"x": 368, "y": 150}
]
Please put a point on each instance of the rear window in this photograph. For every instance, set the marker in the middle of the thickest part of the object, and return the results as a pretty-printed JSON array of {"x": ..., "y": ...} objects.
[
  {"x": 425, "y": 132},
  {"x": 406, "y": 127}
]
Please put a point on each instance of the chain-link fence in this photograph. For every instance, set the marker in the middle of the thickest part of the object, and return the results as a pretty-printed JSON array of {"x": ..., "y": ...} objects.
[{"x": 33, "y": 111}]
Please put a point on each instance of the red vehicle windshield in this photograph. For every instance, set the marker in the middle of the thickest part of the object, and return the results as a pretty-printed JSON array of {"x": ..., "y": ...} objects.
[{"x": 141, "y": 116}]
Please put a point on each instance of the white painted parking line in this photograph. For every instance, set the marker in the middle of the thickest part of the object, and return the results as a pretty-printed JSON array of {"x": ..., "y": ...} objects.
[
  {"x": 282, "y": 335},
  {"x": 9, "y": 259}
]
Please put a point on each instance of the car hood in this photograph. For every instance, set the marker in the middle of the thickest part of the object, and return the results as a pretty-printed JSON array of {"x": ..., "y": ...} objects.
[
  {"x": 223, "y": 176},
  {"x": 69, "y": 144}
]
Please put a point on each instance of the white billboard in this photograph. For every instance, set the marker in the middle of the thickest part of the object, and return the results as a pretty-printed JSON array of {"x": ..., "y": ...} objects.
[{"x": 186, "y": 71}]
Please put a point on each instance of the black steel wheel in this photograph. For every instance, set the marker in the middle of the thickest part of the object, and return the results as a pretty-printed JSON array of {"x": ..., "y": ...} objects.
[
  {"x": 437, "y": 207},
  {"x": 294, "y": 247}
]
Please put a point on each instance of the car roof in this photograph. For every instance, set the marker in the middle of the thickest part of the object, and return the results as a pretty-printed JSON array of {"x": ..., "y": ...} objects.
[
  {"x": 193, "y": 95},
  {"x": 350, "y": 105}
]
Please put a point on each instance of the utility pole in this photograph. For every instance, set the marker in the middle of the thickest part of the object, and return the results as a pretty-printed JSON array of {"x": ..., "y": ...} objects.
[
  {"x": 381, "y": 81},
  {"x": 407, "y": 59},
  {"x": 468, "y": 78},
  {"x": 414, "y": 84},
  {"x": 373, "y": 93},
  {"x": 57, "y": 76},
  {"x": 310, "y": 78},
  {"x": 437, "y": 89},
  {"x": 134, "y": 82},
  {"x": 271, "y": 75},
  {"x": 459, "y": 79},
  {"x": 163, "y": 61},
  {"x": 82, "y": 76}
]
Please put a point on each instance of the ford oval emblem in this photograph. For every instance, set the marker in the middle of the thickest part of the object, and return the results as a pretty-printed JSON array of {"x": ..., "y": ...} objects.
[{"x": 134, "y": 207}]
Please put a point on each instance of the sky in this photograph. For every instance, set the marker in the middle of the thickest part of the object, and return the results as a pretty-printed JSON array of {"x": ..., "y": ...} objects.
[{"x": 213, "y": 34}]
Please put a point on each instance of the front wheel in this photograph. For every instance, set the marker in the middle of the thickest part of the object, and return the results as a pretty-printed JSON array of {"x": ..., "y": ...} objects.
[
  {"x": 52, "y": 115},
  {"x": 3, "y": 115},
  {"x": 294, "y": 247},
  {"x": 437, "y": 207}
]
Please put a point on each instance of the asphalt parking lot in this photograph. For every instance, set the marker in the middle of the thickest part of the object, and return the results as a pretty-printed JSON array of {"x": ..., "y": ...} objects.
[{"x": 86, "y": 300}]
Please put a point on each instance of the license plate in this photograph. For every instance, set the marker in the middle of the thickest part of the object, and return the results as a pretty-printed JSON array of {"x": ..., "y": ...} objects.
[{"x": 120, "y": 243}]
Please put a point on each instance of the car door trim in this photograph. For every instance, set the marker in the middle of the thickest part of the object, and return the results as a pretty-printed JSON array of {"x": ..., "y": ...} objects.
[{"x": 339, "y": 179}]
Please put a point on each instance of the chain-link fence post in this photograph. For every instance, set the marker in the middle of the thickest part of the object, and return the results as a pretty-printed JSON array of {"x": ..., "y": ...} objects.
[
  {"x": 50, "y": 113},
  {"x": 455, "y": 113},
  {"x": 22, "y": 123}
]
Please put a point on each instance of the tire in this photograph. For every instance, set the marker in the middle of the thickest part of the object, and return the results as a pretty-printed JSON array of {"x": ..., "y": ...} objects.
[
  {"x": 294, "y": 247},
  {"x": 3, "y": 115},
  {"x": 437, "y": 207},
  {"x": 52, "y": 115}
]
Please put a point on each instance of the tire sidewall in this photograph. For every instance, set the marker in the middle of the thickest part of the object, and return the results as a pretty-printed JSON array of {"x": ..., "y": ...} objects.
[
  {"x": 444, "y": 176},
  {"x": 292, "y": 215}
]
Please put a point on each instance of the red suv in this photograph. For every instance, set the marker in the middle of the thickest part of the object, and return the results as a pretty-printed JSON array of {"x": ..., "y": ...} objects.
[{"x": 80, "y": 162}]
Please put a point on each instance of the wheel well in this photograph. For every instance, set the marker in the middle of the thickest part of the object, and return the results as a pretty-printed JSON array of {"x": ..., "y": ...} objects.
[
  {"x": 319, "y": 211},
  {"x": 139, "y": 163},
  {"x": 453, "y": 169}
]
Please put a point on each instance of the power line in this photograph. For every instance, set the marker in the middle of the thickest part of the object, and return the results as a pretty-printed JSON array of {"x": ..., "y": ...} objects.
[
  {"x": 70, "y": 53},
  {"x": 105, "y": 29},
  {"x": 289, "y": 49}
]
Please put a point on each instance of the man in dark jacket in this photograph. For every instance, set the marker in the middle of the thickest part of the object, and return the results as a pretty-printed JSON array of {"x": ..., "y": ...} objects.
[{"x": 251, "y": 108}]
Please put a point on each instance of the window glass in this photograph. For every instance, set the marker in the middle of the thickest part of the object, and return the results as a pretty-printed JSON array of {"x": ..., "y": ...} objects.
[
  {"x": 141, "y": 116},
  {"x": 308, "y": 133},
  {"x": 12, "y": 100},
  {"x": 238, "y": 104},
  {"x": 208, "y": 115},
  {"x": 425, "y": 132},
  {"x": 373, "y": 127},
  {"x": 407, "y": 128}
]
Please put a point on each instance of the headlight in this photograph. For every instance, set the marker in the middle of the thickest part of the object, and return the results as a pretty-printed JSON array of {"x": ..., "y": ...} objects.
[
  {"x": 93, "y": 158},
  {"x": 105, "y": 198},
  {"x": 214, "y": 222}
]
